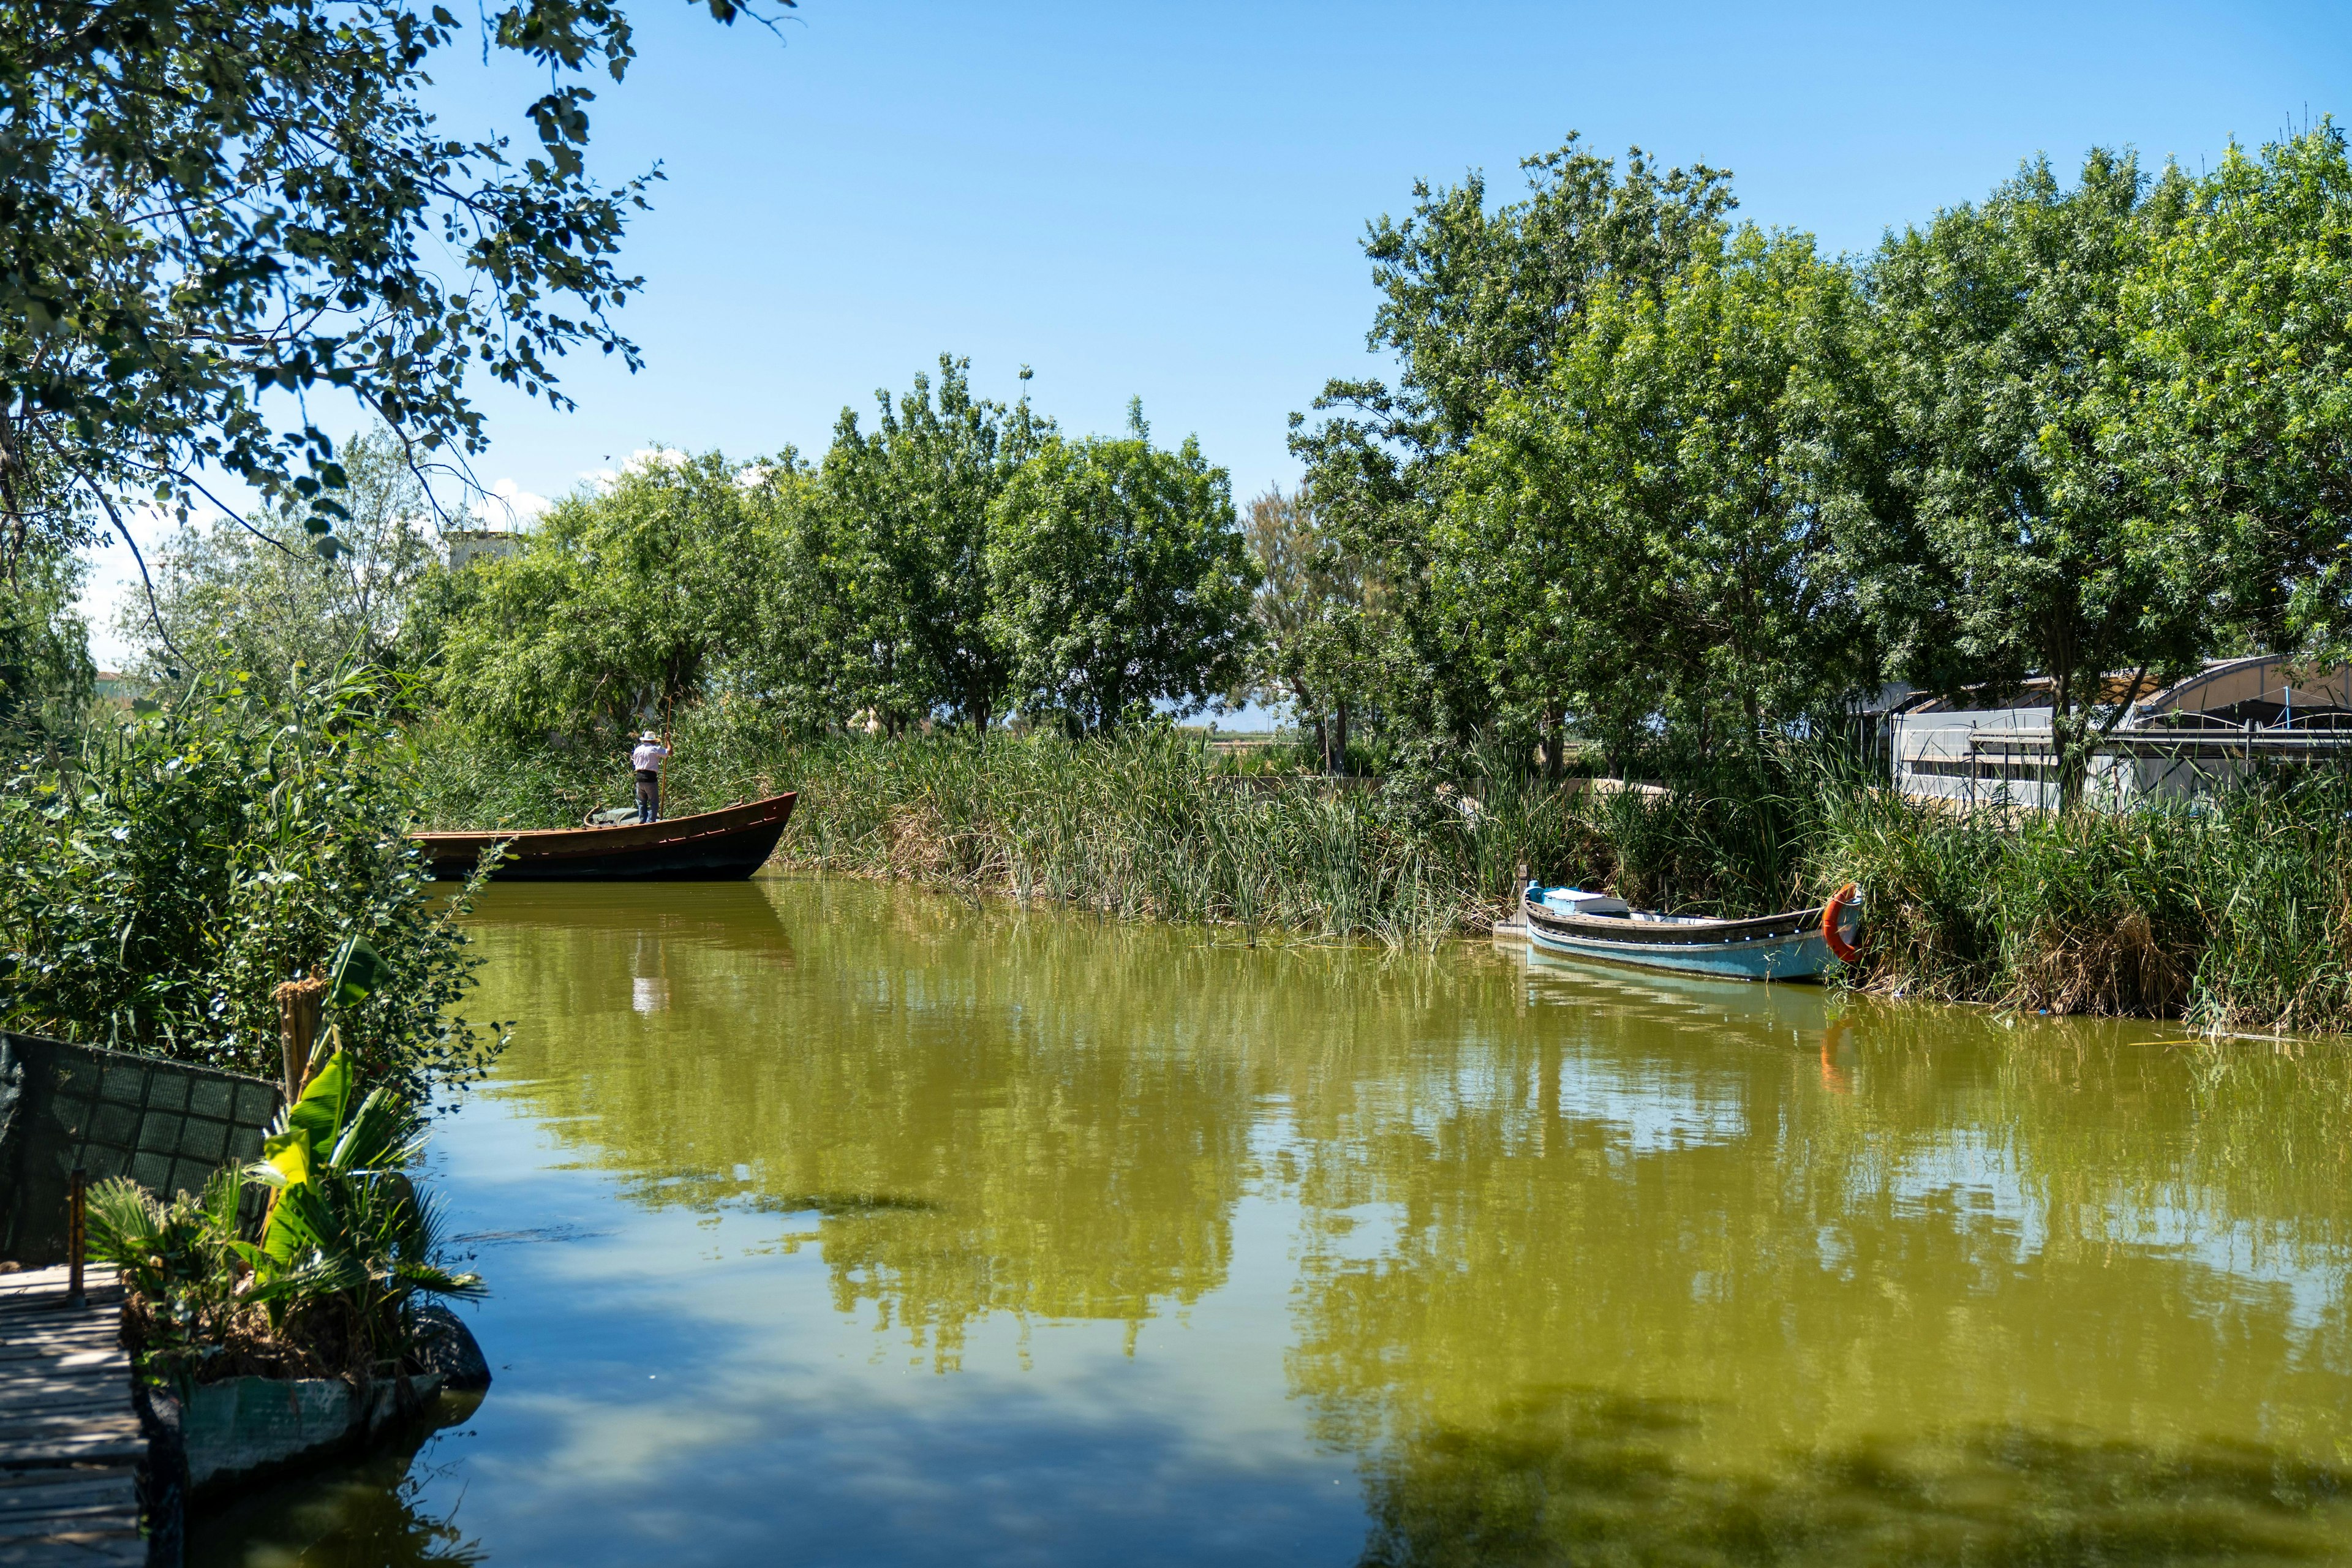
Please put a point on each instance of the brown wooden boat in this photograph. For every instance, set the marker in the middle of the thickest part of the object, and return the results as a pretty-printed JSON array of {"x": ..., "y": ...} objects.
[{"x": 709, "y": 847}]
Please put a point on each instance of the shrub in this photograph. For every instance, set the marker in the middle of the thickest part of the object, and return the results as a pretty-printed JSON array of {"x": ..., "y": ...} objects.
[{"x": 190, "y": 860}]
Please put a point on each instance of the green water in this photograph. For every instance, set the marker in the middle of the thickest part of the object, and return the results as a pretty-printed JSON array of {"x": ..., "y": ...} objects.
[{"x": 831, "y": 1223}]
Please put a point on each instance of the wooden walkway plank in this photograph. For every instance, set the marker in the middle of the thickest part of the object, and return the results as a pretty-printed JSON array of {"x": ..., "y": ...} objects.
[{"x": 70, "y": 1440}]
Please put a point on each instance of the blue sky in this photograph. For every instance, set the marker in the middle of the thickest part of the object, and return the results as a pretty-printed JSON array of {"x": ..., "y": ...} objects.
[{"x": 1168, "y": 200}]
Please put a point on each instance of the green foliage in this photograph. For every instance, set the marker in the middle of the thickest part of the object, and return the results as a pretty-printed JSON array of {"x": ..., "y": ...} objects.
[
  {"x": 1642, "y": 537},
  {"x": 46, "y": 673},
  {"x": 2237, "y": 422},
  {"x": 348, "y": 1246},
  {"x": 252, "y": 596},
  {"x": 622, "y": 604},
  {"x": 958, "y": 562},
  {"x": 2020, "y": 548},
  {"x": 1316, "y": 619},
  {"x": 1478, "y": 305},
  {"x": 214, "y": 199},
  {"x": 1138, "y": 824},
  {"x": 1676, "y": 488},
  {"x": 1117, "y": 579},
  {"x": 2235, "y": 912},
  {"x": 178, "y": 1265},
  {"x": 162, "y": 887},
  {"x": 909, "y": 513}
]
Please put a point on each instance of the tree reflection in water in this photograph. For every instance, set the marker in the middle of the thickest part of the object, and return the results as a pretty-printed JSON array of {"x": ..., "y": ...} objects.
[
  {"x": 366, "y": 1514},
  {"x": 1584, "y": 1477},
  {"x": 1576, "y": 1263}
]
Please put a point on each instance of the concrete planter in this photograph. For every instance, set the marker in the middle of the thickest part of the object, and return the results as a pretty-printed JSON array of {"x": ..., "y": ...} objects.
[
  {"x": 246, "y": 1430},
  {"x": 247, "y": 1427}
]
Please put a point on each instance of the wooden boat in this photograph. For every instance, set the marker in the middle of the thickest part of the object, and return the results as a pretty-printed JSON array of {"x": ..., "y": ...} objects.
[
  {"x": 709, "y": 845},
  {"x": 1797, "y": 945}
]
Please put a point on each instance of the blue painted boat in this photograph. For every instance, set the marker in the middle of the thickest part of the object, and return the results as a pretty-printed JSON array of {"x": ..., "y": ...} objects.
[{"x": 1791, "y": 946}]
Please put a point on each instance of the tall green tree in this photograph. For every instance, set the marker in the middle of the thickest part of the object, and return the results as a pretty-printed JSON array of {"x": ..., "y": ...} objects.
[
  {"x": 2011, "y": 541},
  {"x": 2237, "y": 420},
  {"x": 1316, "y": 614},
  {"x": 1118, "y": 579},
  {"x": 208, "y": 202},
  {"x": 909, "y": 509},
  {"x": 250, "y": 596},
  {"x": 1644, "y": 541},
  {"x": 1475, "y": 304},
  {"x": 622, "y": 604}
]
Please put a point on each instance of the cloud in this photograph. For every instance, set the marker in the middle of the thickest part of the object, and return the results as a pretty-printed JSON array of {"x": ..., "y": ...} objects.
[
  {"x": 637, "y": 462},
  {"x": 508, "y": 505}
]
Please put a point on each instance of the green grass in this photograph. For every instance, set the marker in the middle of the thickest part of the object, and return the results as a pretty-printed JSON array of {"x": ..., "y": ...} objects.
[{"x": 2235, "y": 914}]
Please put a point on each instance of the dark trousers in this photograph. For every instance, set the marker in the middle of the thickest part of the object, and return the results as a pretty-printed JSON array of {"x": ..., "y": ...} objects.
[{"x": 648, "y": 797}]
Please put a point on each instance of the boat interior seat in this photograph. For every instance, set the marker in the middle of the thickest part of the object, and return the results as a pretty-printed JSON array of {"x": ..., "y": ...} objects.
[{"x": 1577, "y": 902}]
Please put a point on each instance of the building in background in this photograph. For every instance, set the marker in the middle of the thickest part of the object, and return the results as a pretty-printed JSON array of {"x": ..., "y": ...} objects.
[
  {"x": 467, "y": 546},
  {"x": 2230, "y": 718}
]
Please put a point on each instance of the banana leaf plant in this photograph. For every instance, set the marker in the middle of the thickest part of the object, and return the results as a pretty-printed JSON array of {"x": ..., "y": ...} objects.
[
  {"x": 348, "y": 1236},
  {"x": 346, "y": 1246}
]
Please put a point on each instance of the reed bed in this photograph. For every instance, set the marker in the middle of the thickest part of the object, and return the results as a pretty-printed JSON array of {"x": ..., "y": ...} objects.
[{"x": 2234, "y": 913}]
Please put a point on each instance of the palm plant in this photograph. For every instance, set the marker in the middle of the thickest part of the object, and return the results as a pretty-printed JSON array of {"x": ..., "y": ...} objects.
[
  {"x": 179, "y": 1271},
  {"x": 350, "y": 1241}
]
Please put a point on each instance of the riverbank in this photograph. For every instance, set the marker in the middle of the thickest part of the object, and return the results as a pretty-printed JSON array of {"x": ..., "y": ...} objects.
[{"x": 2234, "y": 913}]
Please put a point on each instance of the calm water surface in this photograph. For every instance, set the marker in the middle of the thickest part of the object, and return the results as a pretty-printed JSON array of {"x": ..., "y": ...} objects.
[{"x": 831, "y": 1223}]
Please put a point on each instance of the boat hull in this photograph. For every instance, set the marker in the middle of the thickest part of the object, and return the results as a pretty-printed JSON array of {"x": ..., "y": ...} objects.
[
  {"x": 1790, "y": 946},
  {"x": 709, "y": 847},
  {"x": 1801, "y": 957}
]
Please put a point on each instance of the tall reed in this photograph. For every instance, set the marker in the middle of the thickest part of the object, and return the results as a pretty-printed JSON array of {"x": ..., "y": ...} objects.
[{"x": 2234, "y": 911}]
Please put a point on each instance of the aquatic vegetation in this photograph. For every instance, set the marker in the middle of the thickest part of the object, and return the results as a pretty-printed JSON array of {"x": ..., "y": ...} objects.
[{"x": 2234, "y": 911}]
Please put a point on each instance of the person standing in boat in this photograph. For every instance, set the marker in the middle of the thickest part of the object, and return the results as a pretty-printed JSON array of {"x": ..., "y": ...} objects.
[{"x": 647, "y": 759}]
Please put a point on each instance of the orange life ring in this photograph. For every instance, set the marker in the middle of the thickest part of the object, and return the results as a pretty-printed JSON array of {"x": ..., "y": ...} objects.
[{"x": 1831, "y": 917}]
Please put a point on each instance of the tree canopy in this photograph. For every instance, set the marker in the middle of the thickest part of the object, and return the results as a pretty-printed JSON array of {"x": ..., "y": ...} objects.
[
  {"x": 1117, "y": 579},
  {"x": 245, "y": 594},
  {"x": 212, "y": 209},
  {"x": 960, "y": 563},
  {"x": 1647, "y": 479},
  {"x": 1676, "y": 487}
]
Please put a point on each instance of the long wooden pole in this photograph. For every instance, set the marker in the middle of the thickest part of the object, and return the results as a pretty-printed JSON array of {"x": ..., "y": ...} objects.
[{"x": 76, "y": 1233}]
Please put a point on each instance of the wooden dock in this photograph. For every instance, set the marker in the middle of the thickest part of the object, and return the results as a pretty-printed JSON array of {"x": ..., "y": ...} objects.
[{"x": 70, "y": 1442}]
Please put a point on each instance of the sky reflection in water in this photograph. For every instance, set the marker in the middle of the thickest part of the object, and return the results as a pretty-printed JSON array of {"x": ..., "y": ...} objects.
[{"x": 838, "y": 1223}]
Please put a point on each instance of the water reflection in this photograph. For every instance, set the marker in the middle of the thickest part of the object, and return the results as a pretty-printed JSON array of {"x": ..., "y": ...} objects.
[
  {"x": 369, "y": 1515},
  {"x": 1553, "y": 1262},
  {"x": 1582, "y": 1477}
]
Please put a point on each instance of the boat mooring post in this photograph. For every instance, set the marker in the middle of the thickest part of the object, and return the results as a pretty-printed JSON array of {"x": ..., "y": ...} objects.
[
  {"x": 298, "y": 1004},
  {"x": 77, "y": 1235}
]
